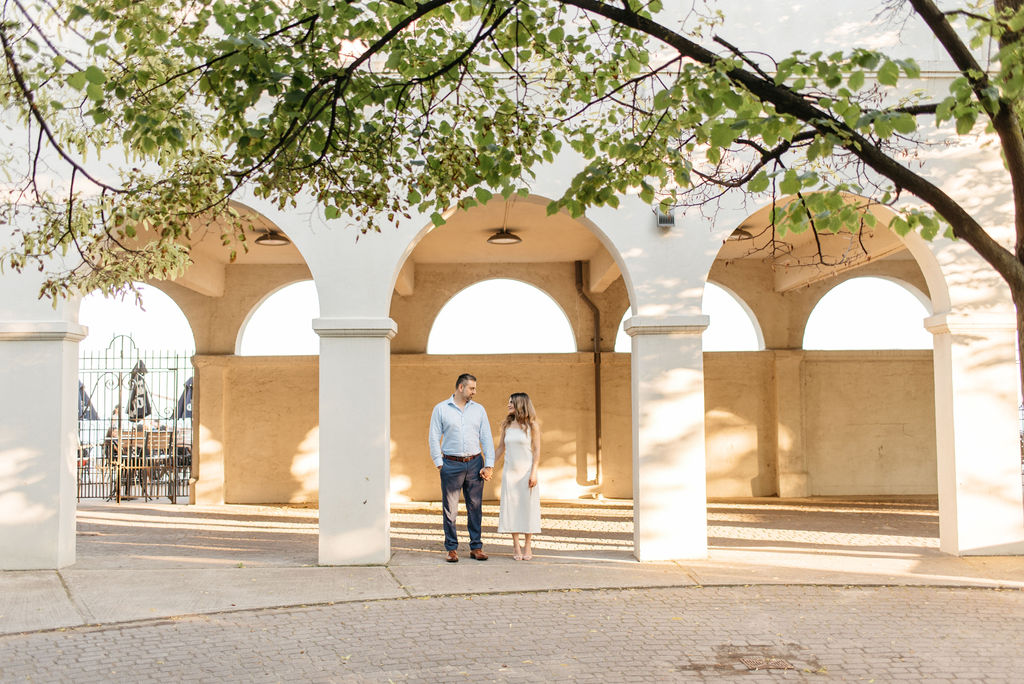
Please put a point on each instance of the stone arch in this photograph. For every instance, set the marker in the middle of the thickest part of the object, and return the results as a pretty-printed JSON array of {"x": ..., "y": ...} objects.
[
  {"x": 907, "y": 259},
  {"x": 256, "y": 307},
  {"x": 536, "y": 201},
  {"x": 567, "y": 259},
  {"x": 755, "y": 324},
  {"x": 779, "y": 284},
  {"x": 549, "y": 302},
  {"x": 899, "y": 283},
  {"x": 237, "y": 459},
  {"x": 746, "y": 308},
  {"x": 155, "y": 285}
]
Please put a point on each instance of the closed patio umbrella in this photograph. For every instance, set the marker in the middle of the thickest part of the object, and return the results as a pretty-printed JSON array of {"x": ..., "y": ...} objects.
[
  {"x": 139, "y": 403},
  {"x": 184, "y": 408},
  {"x": 86, "y": 411}
]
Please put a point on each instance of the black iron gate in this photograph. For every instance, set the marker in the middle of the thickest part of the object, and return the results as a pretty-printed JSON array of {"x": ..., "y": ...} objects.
[{"x": 134, "y": 423}]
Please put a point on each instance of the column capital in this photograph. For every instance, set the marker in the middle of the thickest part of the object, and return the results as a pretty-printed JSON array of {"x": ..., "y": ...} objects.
[
  {"x": 954, "y": 323},
  {"x": 666, "y": 325},
  {"x": 355, "y": 327},
  {"x": 37, "y": 331}
]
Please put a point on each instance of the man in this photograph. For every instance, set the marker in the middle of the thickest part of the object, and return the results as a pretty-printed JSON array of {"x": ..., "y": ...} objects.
[{"x": 463, "y": 451}]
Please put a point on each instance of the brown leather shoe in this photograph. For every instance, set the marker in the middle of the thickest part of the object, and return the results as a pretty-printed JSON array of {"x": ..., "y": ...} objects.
[
  {"x": 478, "y": 554},
  {"x": 453, "y": 556}
]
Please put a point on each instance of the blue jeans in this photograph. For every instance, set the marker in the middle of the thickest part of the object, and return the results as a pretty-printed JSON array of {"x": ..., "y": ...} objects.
[{"x": 464, "y": 477}]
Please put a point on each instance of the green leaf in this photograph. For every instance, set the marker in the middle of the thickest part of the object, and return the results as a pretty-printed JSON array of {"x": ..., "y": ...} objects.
[
  {"x": 758, "y": 183},
  {"x": 889, "y": 73},
  {"x": 95, "y": 75},
  {"x": 929, "y": 227},
  {"x": 856, "y": 80},
  {"x": 883, "y": 126},
  {"x": 904, "y": 123},
  {"x": 332, "y": 212},
  {"x": 663, "y": 99},
  {"x": 790, "y": 184},
  {"x": 646, "y": 192},
  {"x": 910, "y": 68},
  {"x": 899, "y": 226},
  {"x": 722, "y": 135},
  {"x": 77, "y": 80},
  {"x": 94, "y": 92},
  {"x": 965, "y": 121}
]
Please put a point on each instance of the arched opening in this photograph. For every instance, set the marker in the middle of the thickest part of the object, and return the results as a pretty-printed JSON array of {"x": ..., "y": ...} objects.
[
  {"x": 508, "y": 317},
  {"x": 869, "y": 313},
  {"x": 135, "y": 386},
  {"x": 869, "y": 375},
  {"x": 255, "y": 410},
  {"x": 520, "y": 317},
  {"x": 838, "y": 404},
  {"x": 281, "y": 324},
  {"x": 733, "y": 325},
  {"x": 157, "y": 324}
]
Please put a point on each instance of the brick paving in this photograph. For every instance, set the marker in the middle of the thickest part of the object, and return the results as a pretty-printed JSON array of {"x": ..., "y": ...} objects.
[
  {"x": 459, "y": 631},
  {"x": 667, "y": 634}
]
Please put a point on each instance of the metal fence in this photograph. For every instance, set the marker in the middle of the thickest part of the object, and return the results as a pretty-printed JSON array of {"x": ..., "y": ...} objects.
[{"x": 134, "y": 423}]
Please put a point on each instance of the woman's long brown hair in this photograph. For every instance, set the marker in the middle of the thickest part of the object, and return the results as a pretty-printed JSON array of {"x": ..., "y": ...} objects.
[{"x": 522, "y": 412}]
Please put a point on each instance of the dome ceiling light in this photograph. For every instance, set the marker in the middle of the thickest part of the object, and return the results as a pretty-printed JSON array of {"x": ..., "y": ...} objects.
[
  {"x": 273, "y": 238},
  {"x": 504, "y": 236}
]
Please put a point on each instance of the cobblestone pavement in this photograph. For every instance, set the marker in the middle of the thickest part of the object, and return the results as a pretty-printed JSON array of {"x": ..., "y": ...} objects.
[{"x": 823, "y": 633}]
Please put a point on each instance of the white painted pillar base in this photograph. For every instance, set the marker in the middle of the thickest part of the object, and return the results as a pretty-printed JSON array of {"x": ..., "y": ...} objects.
[
  {"x": 981, "y": 506},
  {"x": 669, "y": 461},
  {"x": 38, "y": 443},
  {"x": 355, "y": 433}
]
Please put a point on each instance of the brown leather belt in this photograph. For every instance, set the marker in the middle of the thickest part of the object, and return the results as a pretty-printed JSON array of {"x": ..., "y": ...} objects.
[{"x": 460, "y": 459}]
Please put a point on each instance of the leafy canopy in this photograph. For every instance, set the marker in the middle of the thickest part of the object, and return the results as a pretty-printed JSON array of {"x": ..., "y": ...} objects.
[{"x": 138, "y": 120}]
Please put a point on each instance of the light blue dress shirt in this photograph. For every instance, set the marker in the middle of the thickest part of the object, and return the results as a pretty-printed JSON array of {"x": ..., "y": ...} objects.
[{"x": 460, "y": 432}]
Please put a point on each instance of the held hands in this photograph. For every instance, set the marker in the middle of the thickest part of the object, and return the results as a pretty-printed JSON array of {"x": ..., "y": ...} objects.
[{"x": 486, "y": 473}]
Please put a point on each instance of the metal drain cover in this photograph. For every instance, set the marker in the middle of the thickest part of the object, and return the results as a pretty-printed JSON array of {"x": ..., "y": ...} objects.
[{"x": 763, "y": 663}]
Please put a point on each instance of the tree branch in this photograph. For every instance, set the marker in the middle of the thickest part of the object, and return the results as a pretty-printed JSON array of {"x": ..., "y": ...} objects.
[{"x": 786, "y": 101}]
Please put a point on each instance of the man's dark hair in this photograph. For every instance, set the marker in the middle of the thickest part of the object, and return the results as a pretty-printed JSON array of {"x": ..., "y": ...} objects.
[{"x": 463, "y": 379}]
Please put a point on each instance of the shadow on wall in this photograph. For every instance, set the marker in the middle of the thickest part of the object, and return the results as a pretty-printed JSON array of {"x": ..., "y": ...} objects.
[
  {"x": 264, "y": 413},
  {"x": 20, "y": 468},
  {"x": 561, "y": 386},
  {"x": 849, "y": 404},
  {"x": 740, "y": 427}
]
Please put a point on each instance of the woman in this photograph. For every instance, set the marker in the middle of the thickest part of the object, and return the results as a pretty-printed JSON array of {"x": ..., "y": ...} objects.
[{"x": 519, "y": 510}]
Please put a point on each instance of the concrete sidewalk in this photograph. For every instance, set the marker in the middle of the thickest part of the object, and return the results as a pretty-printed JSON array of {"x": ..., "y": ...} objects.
[{"x": 139, "y": 561}]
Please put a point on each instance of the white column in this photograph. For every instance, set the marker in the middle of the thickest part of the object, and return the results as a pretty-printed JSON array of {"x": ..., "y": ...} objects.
[
  {"x": 981, "y": 507},
  {"x": 669, "y": 466},
  {"x": 38, "y": 443},
  {"x": 355, "y": 433}
]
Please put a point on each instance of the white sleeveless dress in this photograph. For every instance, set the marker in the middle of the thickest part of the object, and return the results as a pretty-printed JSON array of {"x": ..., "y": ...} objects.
[{"x": 519, "y": 508}]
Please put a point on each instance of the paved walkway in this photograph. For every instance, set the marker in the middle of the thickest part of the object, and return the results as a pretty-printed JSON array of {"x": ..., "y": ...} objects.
[{"x": 856, "y": 590}]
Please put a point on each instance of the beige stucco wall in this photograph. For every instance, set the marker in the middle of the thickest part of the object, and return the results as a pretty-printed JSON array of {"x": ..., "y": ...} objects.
[
  {"x": 562, "y": 389},
  {"x": 866, "y": 422},
  {"x": 869, "y": 422},
  {"x": 256, "y": 429},
  {"x": 740, "y": 423}
]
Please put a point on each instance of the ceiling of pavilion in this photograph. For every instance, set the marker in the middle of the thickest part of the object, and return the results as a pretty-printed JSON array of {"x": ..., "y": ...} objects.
[{"x": 796, "y": 259}]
